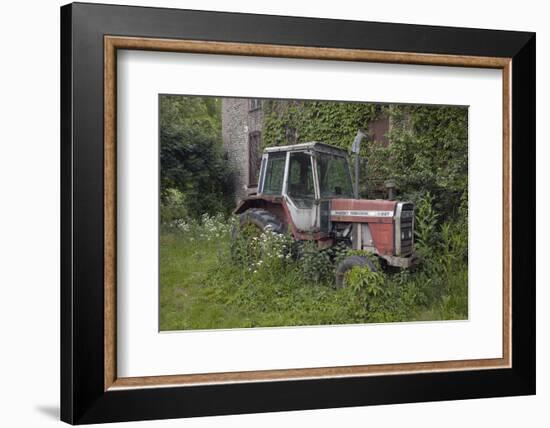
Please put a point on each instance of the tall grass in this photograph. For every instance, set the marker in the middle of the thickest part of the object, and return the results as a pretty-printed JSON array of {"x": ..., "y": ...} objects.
[{"x": 209, "y": 281}]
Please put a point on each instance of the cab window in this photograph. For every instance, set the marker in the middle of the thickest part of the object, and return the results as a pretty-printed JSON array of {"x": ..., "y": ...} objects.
[
  {"x": 334, "y": 176},
  {"x": 273, "y": 182}
]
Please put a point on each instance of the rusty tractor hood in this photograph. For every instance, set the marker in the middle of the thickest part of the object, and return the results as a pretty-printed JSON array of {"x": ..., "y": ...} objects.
[{"x": 362, "y": 210}]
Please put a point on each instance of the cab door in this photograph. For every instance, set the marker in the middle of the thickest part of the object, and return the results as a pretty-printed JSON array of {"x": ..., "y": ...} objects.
[
  {"x": 272, "y": 172},
  {"x": 300, "y": 191}
]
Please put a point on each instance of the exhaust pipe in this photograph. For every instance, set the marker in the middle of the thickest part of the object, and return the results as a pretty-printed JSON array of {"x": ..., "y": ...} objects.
[{"x": 355, "y": 148}]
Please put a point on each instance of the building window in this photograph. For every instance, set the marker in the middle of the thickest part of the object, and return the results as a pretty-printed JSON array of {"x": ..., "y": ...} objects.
[
  {"x": 378, "y": 130},
  {"x": 254, "y": 158},
  {"x": 254, "y": 104}
]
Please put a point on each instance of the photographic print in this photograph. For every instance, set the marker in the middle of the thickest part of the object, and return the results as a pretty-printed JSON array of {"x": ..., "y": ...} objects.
[{"x": 278, "y": 212}]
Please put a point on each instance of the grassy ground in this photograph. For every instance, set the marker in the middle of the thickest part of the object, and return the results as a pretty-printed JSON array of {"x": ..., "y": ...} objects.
[
  {"x": 199, "y": 292},
  {"x": 201, "y": 287}
]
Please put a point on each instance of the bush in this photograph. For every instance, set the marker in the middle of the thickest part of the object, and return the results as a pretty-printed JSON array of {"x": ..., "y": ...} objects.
[
  {"x": 192, "y": 163},
  {"x": 425, "y": 227},
  {"x": 315, "y": 264},
  {"x": 191, "y": 156},
  {"x": 173, "y": 207}
]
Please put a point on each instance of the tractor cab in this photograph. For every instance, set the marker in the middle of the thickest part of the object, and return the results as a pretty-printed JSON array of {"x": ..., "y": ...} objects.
[{"x": 304, "y": 175}]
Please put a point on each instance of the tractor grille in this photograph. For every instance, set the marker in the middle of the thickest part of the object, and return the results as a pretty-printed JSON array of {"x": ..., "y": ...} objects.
[{"x": 405, "y": 230}]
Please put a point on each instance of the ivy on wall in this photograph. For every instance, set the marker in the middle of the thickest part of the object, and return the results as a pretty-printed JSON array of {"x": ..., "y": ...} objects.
[
  {"x": 428, "y": 150},
  {"x": 335, "y": 123},
  {"x": 428, "y": 154}
]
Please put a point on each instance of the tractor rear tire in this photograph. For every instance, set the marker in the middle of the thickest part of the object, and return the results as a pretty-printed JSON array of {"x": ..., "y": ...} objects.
[
  {"x": 349, "y": 263},
  {"x": 260, "y": 218}
]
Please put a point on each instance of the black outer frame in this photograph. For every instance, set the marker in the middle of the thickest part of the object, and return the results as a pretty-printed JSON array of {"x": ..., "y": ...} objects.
[{"x": 83, "y": 399}]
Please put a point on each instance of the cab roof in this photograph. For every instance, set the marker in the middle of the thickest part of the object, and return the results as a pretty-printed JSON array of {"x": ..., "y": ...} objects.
[{"x": 312, "y": 145}]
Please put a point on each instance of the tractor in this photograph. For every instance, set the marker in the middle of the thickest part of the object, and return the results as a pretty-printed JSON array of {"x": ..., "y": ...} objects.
[{"x": 306, "y": 189}]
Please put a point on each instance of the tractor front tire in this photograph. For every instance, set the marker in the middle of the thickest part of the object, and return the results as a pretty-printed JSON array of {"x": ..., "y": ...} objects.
[{"x": 349, "y": 263}]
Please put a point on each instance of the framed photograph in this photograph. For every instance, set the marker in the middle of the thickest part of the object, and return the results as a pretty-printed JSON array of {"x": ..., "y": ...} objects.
[{"x": 265, "y": 213}]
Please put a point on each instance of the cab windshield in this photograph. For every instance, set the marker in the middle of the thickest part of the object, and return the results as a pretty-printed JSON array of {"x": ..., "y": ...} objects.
[{"x": 334, "y": 176}]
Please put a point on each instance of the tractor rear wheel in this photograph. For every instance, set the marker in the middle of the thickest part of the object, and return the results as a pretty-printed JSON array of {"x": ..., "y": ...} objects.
[
  {"x": 261, "y": 219},
  {"x": 349, "y": 263},
  {"x": 252, "y": 223}
]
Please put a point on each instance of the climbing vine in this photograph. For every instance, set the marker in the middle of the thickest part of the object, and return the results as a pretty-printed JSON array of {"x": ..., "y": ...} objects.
[
  {"x": 428, "y": 154},
  {"x": 335, "y": 123},
  {"x": 428, "y": 150}
]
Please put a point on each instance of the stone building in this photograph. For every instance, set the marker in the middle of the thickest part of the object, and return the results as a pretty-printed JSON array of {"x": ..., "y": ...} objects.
[
  {"x": 242, "y": 125},
  {"x": 242, "y": 121}
]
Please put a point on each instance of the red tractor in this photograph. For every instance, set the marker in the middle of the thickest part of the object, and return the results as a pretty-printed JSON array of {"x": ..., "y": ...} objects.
[{"x": 307, "y": 189}]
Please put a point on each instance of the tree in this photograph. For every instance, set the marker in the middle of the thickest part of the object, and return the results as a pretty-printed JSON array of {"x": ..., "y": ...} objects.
[
  {"x": 179, "y": 112},
  {"x": 191, "y": 155}
]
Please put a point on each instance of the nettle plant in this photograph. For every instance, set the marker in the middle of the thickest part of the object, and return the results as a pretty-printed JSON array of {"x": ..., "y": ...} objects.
[
  {"x": 265, "y": 252},
  {"x": 426, "y": 226},
  {"x": 366, "y": 282},
  {"x": 278, "y": 254},
  {"x": 317, "y": 264}
]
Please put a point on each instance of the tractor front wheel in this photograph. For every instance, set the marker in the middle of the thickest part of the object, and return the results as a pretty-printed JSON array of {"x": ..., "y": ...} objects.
[{"x": 349, "y": 263}]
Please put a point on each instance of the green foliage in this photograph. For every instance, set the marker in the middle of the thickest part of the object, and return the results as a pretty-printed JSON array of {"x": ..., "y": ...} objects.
[
  {"x": 179, "y": 113},
  {"x": 173, "y": 207},
  {"x": 428, "y": 153},
  {"x": 442, "y": 246},
  {"x": 444, "y": 251},
  {"x": 265, "y": 254},
  {"x": 380, "y": 297},
  {"x": 364, "y": 281},
  {"x": 332, "y": 122},
  {"x": 315, "y": 264},
  {"x": 191, "y": 156},
  {"x": 318, "y": 265},
  {"x": 425, "y": 226}
]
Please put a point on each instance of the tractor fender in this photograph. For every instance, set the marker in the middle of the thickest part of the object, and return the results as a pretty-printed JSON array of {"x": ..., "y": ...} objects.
[{"x": 257, "y": 202}]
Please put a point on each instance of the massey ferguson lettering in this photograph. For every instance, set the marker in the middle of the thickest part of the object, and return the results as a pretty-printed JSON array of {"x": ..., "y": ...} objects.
[{"x": 360, "y": 213}]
